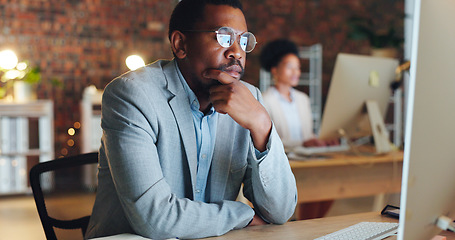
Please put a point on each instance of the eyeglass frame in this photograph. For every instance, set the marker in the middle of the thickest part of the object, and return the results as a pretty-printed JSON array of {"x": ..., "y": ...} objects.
[{"x": 235, "y": 36}]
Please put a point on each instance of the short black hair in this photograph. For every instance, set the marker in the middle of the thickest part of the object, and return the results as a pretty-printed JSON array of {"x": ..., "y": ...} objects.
[
  {"x": 188, "y": 12},
  {"x": 274, "y": 51}
]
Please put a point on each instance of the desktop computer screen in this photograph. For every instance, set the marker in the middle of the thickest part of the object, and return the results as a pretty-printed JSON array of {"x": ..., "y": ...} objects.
[
  {"x": 355, "y": 80},
  {"x": 428, "y": 186}
]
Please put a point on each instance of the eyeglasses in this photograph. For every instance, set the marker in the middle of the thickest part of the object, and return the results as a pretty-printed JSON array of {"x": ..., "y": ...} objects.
[{"x": 226, "y": 37}]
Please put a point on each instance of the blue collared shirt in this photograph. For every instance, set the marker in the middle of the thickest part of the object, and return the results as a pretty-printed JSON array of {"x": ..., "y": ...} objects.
[{"x": 205, "y": 127}]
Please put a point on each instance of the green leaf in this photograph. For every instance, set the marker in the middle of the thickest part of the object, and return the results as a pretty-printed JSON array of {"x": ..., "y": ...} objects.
[
  {"x": 57, "y": 82},
  {"x": 33, "y": 76}
]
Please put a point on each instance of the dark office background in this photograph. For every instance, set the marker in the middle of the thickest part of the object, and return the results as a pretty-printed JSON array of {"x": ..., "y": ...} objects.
[{"x": 85, "y": 42}]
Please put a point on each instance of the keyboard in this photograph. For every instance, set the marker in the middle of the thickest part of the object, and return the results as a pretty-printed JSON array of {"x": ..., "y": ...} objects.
[
  {"x": 308, "y": 151},
  {"x": 363, "y": 231}
]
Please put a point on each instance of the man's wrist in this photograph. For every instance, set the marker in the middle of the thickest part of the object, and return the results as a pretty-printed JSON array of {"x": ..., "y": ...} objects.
[
  {"x": 261, "y": 132},
  {"x": 250, "y": 222}
]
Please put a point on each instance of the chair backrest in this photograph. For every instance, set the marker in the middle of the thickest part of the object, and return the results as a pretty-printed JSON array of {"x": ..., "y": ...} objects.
[{"x": 44, "y": 181}]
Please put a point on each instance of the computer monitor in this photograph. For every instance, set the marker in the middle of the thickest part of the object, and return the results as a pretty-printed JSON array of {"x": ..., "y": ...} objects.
[
  {"x": 428, "y": 186},
  {"x": 357, "y": 79}
]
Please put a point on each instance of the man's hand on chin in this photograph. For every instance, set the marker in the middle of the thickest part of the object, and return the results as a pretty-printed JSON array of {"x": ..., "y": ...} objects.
[{"x": 235, "y": 99}]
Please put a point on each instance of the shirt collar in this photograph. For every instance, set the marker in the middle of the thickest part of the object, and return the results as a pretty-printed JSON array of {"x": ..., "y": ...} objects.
[{"x": 291, "y": 93}]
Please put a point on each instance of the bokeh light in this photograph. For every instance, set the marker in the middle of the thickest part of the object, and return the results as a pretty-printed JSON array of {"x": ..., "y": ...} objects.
[
  {"x": 21, "y": 66},
  {"x": 134, "y": 62},
  {"x": 8, "y": 59},
  {"x": 71, "y": 131},
  {"x": 64, "y": 151},
  {"x": 70, "y": 142}
]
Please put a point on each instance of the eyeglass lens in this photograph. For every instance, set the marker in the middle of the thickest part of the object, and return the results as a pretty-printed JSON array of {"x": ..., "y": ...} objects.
[{"x": 226, "y": 38}]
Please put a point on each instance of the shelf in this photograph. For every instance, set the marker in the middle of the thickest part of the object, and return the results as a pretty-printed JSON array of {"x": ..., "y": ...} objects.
[{"x": 26, "y": 138}]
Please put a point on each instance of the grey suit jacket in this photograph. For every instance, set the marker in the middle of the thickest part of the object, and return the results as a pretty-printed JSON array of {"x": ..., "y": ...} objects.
[{"x": 148, "y": 163}]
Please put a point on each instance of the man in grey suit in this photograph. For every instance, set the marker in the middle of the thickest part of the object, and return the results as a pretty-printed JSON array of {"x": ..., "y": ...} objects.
[{"x": 180, "y": 137}]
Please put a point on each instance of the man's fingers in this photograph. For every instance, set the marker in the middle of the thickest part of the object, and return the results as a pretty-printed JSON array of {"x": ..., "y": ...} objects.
[
  {"x": 221, "y": 89},
  {"x": 219, "y": 107},
  {"x": 219, "y": 101},
  {"x": 218, "y": 75}
]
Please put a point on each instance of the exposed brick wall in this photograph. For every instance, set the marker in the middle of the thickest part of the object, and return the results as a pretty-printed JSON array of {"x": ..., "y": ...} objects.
[
  {"x": 316, "y": 21},
  {"x": 84, "y": 42}
]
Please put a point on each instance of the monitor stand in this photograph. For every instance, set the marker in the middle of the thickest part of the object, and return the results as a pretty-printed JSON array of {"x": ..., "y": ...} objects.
[{"x": 380, "y": 133}]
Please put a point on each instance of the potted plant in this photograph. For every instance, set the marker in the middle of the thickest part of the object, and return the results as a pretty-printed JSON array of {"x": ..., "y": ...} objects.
[
  {"x": 17, "y": 78},
  {"x": 17, "y": 83},
  {"x": 383, "y": 37}
]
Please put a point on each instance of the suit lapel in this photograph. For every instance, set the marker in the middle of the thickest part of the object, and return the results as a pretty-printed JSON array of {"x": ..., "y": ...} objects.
[
  {"x": 181, "y": 108},
  {"x": 221, "y": 160}
]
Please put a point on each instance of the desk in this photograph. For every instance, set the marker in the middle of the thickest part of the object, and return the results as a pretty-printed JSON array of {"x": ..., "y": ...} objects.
[
  {"x": 307, "y": 229},
  {"x": 347, "y": 175}
]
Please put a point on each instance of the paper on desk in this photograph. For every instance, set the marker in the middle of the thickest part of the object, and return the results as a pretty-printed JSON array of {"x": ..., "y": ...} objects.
[
  {"x": 125, "y": 236},
  {"x": 299, "y": 157}
]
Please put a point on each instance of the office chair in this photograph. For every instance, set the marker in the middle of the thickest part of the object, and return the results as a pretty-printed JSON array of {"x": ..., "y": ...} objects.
[{"x": 46, "y": 183}]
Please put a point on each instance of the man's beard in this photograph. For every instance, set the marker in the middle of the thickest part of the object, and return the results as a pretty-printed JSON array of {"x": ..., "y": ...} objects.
[
  {"x": 233, "y": 62},
  {"x": 204, "y": 87}
]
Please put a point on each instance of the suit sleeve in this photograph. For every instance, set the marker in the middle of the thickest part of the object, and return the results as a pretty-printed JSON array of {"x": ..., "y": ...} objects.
[
  {"x": 269, "y": 182},
  {"x": 151, "y": 208}
]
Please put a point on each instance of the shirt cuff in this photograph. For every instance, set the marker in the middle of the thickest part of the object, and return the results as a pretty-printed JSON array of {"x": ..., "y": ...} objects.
[{"x": 261, "y": 155}]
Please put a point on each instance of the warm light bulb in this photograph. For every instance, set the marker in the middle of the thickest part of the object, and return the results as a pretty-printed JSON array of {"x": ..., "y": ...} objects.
[
  {"x": 12, "y": 74},
  {"x": 8, "y": 59},
  {"x": 134, "y": 62},
  {"x": 21, "y": 66},
  {"x": 71, "y": 131}
]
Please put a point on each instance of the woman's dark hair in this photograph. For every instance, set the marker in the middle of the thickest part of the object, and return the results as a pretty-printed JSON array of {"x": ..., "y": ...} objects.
[
  {"x": 274, "y": 51},
  {"x": 188, "y": 12}
]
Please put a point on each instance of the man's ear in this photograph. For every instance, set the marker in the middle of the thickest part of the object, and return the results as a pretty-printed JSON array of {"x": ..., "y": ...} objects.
[{"x": 178, "y": 44}]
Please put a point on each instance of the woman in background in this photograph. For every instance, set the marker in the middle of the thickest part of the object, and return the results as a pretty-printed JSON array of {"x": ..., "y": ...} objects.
[{"x": 290, "y": 109}]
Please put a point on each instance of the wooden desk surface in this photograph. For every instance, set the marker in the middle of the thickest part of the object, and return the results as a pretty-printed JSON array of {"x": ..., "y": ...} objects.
[
  {"x": 309, "y": 229},
  {"x": 344, "y": 159},
  {"x": 347, "y": 175}
]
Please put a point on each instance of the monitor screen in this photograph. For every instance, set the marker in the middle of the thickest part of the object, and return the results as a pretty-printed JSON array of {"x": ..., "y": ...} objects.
[
  {"x": 428, "y": 186},
  {"x": 356, "y": 79}
]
